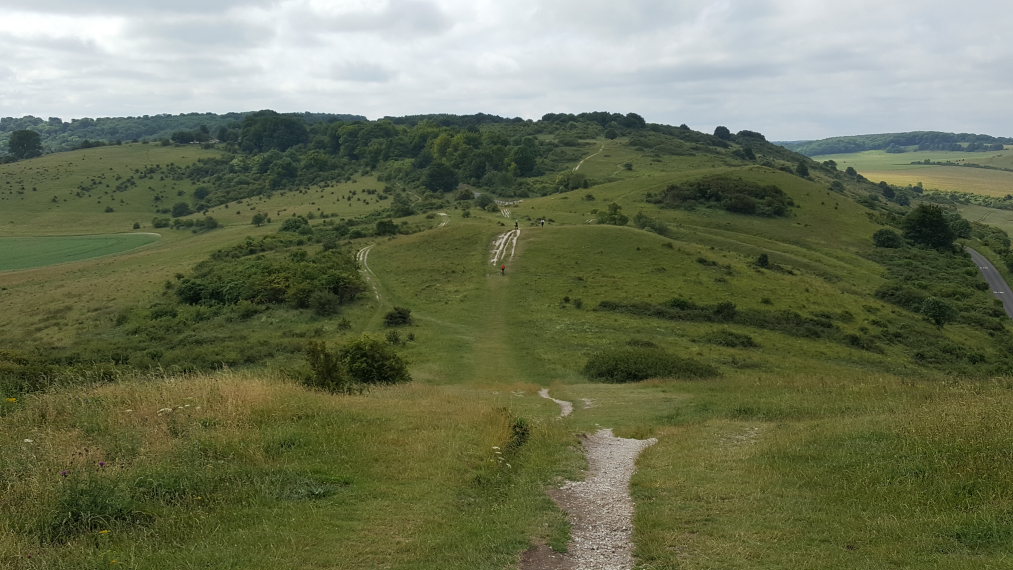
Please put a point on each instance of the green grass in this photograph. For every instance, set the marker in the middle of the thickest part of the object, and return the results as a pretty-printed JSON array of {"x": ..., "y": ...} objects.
[
  {"x": 801, "y": 453},
  {"x": 28, "y": 252},
  {"x": 243, "y": 471}
]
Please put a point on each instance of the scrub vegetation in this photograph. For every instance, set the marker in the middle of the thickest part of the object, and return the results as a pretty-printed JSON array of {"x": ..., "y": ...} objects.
[{"x": 335, "y": 375}]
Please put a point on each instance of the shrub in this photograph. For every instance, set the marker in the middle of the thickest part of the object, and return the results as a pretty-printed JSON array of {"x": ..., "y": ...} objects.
[
  {"x": 938, "y": 311},
  {"x": 634, "y": 363},
  {"x": 730, "y": 193},
  {"x": 324, "y": 303},
  {"x": 326, "y": 370},
  {"x": 370, "y": 361},
  {"x": 398, "y": 316},
  {"x": 887, "y": 238},
  {"x": 729, "y": 338},
  {"x": 295, "y": 224}
]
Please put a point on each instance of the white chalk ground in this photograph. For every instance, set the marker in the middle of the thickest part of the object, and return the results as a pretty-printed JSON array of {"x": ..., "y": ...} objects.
[{"x": 599, "y": 507}]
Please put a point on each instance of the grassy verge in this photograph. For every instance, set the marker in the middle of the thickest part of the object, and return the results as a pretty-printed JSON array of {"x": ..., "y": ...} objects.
[{"x": 240, "y": 471}]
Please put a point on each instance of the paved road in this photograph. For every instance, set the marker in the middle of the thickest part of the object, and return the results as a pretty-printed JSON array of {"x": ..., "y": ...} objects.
[{"x": 1000, "y": 288}]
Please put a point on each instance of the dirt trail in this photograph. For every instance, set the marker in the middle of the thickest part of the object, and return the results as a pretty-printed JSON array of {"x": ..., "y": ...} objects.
[
  {"x": 600, "y": 507},
  {"x": 565, "y": 408},
  {"x": 502, "y": 243},
  {"x": 579, "y": 164},
  {"x": 362, "y": 256},
  {"x": 445, "y": 220}
]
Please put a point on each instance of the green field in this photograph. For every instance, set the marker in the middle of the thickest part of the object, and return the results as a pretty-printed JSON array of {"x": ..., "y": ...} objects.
[
  {"x": 839, "y": 430},
  {"x": 898, "y": 169},
  {"x": 28, "y": 252}
]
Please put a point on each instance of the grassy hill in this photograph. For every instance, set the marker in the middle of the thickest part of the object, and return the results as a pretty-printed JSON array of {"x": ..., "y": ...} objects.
[{"x": 834, "y": 425}]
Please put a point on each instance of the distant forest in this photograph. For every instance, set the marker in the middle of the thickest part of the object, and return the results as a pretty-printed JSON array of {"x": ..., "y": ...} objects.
[
  {"x": 900, "y": 142},
  {"x": 59, "y": 135}
]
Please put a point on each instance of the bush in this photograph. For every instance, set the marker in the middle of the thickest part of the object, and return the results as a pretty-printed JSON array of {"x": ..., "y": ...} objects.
[
  {"x": 399, "y": 316},
  {"x": 634, "y": 363},
  {"x": 326, "y": 370},
  {"x": 370, "y": 361},
  {"x": 729, "y": 338},
  {"x": 730, "y": 193},
  {"x": 324, "y": 303},
  {"x": 887, "y": 238}
]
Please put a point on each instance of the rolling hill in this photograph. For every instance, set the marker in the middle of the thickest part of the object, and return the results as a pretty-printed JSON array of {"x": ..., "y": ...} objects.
[{"x": 157, "y": 413}]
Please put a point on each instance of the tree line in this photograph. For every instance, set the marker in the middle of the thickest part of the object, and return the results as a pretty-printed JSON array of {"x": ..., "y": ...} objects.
[{"x": 900, "y": 142}]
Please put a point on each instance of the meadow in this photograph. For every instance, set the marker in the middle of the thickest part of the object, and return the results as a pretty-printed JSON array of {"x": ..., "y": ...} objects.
[{"x": 832, "y": 449}]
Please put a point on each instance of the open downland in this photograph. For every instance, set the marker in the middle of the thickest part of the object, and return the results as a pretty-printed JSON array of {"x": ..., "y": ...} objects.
[
  {"x": 802, "y": 453},
  {"x": 29, "y": 252}
]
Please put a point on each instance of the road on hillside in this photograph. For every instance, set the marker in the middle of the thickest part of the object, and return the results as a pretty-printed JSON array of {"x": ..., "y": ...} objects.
[{"x": 995, "y": 280}]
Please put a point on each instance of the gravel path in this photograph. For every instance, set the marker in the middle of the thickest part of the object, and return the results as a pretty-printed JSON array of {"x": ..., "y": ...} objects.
[{"x": 600, "y": 508}]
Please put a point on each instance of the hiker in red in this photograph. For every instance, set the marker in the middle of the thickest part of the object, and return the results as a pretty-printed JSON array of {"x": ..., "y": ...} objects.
[{"x": 502, "y": 269}]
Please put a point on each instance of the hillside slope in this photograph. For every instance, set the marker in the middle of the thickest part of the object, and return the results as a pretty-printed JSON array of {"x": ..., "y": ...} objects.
[{"x": 808, "y": 408}]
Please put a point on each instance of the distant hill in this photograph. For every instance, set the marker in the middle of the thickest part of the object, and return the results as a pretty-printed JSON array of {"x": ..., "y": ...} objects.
[
  {"x": 59, "y": 135},
  {"x": 900, "y": 142}
]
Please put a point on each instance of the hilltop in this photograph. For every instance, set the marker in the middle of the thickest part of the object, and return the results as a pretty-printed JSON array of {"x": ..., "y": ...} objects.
[
  {"x": 58, "y": 135},
  {"x": 900, "y": 143},
  {"x": 299, "y": 346}
]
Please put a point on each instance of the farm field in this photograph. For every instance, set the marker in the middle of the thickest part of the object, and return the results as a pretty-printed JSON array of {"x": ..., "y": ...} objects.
[
  {"x": 897, "y": 169},
  {"x": 29, "y": 252}
]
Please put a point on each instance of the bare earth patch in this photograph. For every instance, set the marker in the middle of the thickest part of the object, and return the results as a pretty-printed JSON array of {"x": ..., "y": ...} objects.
[{"x": 565, "y": 408}]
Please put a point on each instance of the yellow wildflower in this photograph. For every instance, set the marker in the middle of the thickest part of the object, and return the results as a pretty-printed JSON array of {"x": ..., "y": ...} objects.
[
  {"x": 103, "y": 532},
  {"x": 12, "y": 400}
]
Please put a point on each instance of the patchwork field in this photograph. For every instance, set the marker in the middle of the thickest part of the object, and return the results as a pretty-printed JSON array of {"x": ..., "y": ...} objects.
[{"x": 898, "y": 169}]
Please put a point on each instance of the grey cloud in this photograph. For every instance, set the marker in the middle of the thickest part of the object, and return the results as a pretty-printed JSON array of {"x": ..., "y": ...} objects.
[
  {"x": 130, "y": 7},
  {"x": 411, "y": 16},
  {"x": 189, "y": 34},
  {"x": 362, "y": 71}
]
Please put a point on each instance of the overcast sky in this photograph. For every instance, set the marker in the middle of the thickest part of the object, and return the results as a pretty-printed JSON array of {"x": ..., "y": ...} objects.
[{"x": 791, "y": 69}]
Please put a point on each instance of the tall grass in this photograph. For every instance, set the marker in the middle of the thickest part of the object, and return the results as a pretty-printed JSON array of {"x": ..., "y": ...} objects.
[{"x": 252, "y": 471}]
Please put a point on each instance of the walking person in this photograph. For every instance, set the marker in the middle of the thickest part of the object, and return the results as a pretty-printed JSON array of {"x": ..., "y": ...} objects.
[{"x": 502, "y": 269}]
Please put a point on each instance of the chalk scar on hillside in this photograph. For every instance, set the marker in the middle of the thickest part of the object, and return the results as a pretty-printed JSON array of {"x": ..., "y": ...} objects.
[
  {"x": 362, "y": 257},
  {"x": 445, "y": 220},
  {"x": 565, "y": 408},
  {"x": 579, "y": 164},
  {"x": 502, "y": 243}
]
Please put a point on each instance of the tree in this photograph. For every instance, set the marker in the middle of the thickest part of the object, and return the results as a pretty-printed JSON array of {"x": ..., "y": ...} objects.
[
  {"x": 180, "y": 209},
  {"x": 440, "y": 177},
  {"x": 723, "y": 133},
  {"x": 614, "y": 216},
  {"x": 802, "y": 169},
  {"x": 386, "y": 228},
  {"x": 938, "y": 311},
  {"x": 259, "y": 219},
  {"x": 266, "y": 130},
  {"x": 927, "y": 225},
  {"x": 887, "y": 238},
  {"x": 25, "y": 144}
]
